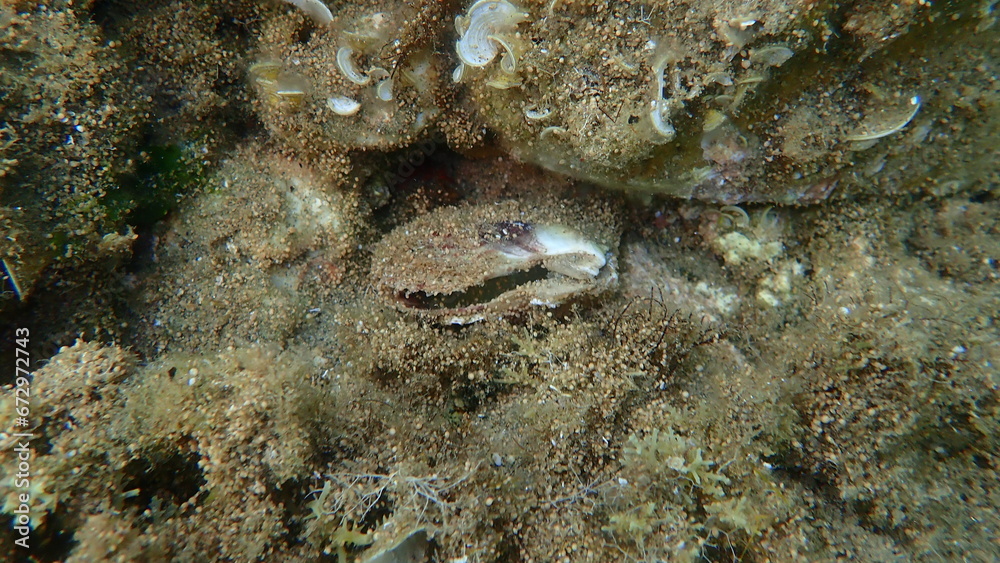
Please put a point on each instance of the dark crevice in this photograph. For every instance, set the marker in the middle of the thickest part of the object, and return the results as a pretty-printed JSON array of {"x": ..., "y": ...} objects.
[
  {"x": 170, "y": 481},
  {"x": 480, "y": 294}
]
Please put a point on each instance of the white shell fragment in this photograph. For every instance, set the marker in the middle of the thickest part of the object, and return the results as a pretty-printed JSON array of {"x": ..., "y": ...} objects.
[
  {"x": 314, "y": 9},
  {"x": 895, "y": 128},
  {"x": 458, "y": 73},
  {"x": 659, "y": 116},
  {"x": 532, "y": 113},
  {"x": 342, "y": 105},
  {"x": 383, "y": 88},
  {"x": 482, "y": 30},
  {"x": 346, "y": 66},
  {"x": 772, "y": 55}
]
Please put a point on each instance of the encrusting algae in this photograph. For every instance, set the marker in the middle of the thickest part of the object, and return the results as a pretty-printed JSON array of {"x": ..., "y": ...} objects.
[{"x": 500, "y": 281}]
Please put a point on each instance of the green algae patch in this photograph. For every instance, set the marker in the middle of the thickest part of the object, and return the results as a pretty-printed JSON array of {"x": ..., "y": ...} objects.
[{"x": 165, "y": 175}]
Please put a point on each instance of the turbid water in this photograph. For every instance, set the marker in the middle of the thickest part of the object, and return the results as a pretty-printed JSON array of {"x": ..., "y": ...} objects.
[{"x": 502, "y": 281}]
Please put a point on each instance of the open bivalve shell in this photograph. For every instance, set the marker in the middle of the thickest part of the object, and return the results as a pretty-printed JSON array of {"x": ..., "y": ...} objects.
[{"x": 467, "y": 264}]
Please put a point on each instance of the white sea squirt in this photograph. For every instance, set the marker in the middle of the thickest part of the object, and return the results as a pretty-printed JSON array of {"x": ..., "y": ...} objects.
[
  {"x": 342, "y": 105},
  {"x": 482, "y": 33}
]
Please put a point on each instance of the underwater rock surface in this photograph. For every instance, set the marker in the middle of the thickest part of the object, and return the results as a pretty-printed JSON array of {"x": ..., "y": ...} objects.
[
  {"x": 472, "y": 281},
  {"x": 366, "y": 78},
  {"x": 715, "y": 100}
]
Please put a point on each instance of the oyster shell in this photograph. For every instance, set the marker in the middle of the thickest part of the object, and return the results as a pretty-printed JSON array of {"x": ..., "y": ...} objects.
[{"x": 466, "y": 264}]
